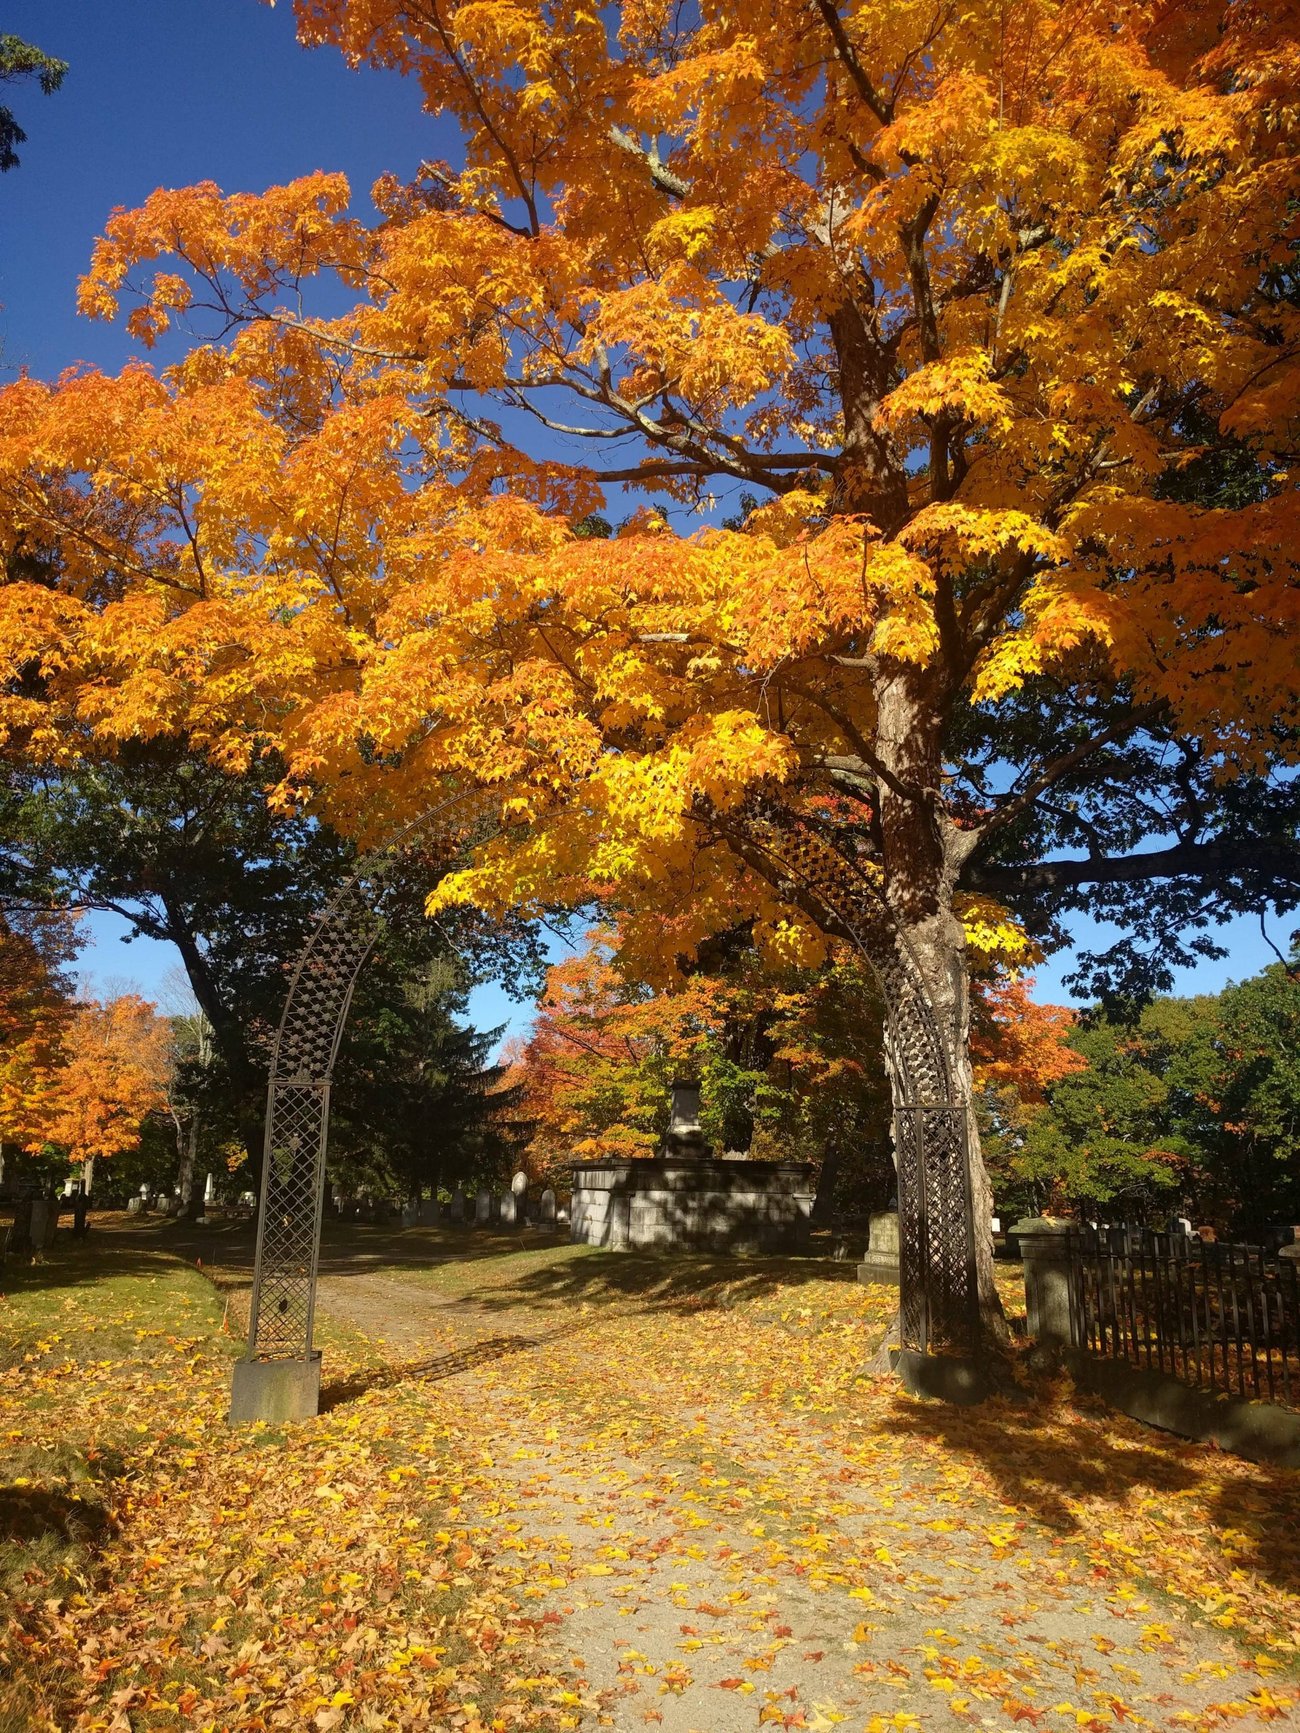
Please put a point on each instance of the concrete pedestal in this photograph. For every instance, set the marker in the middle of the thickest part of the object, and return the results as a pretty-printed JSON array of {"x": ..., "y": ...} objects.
[
  {"x": 275, "y": 1391},
  {"x": 663, "y": 1204}
]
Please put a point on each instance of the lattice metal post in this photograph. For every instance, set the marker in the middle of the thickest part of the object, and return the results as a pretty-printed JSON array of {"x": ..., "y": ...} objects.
[
  {"x": 278, "y": 1378},
  {"x": 939, "y": 1294}
]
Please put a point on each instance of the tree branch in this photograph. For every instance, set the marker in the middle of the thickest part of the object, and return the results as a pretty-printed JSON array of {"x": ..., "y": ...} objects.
[
  {"x": 1280, "y": 861},
  {"x": 848, "y": 55}
]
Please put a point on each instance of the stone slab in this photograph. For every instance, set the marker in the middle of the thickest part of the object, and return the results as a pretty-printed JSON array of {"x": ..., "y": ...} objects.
[
  {"x": 276, "y": 1391},
  {"x": 879, "y": 1267}
]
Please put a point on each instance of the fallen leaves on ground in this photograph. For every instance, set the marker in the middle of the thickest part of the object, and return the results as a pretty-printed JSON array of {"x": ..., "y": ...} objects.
[{"x": 560, "y": 1489}]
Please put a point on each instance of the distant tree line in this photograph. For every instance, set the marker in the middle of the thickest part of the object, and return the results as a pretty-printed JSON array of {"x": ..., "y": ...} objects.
[{"x": 1188, "y": 1106}]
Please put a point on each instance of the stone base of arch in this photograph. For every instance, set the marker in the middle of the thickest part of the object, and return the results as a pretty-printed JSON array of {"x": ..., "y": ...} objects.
[{"x": 275, "y": 1391}]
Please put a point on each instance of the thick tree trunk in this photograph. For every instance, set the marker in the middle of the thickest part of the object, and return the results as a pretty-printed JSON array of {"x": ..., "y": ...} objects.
[{"x": 923, "y": 856}]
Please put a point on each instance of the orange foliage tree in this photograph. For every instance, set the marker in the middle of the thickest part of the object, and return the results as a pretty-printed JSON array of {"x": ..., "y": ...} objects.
[
  {"x": 1019, "y": 1049},
  {"x": 113, "y": 1071},
  {"x": 781, "y": 1078},
  {"x": 36, "y": 1007},
  {"x": 989, "y": 307}
]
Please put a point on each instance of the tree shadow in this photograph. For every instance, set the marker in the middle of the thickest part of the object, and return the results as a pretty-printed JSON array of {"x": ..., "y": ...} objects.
[
  {"x": 674, "y": 1282},
  {"x": 29, "y": 1514},
  {"x": 1044, "y": 1453},
  {"x": 1260, "y": 1519},
  {"x": 1020, "y": 1446},
  {"x": 428, "y": 1371}
]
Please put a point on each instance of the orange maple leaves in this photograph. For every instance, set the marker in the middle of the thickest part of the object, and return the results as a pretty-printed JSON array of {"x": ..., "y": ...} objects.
[{"x": 76, "y": 1076}]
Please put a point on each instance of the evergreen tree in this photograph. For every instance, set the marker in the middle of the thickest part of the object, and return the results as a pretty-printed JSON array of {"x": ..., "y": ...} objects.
[{"x": 19, "y": 61}]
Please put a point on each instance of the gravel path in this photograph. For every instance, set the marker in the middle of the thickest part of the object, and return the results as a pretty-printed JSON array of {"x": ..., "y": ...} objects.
[{"x": 707, "y": 1564}]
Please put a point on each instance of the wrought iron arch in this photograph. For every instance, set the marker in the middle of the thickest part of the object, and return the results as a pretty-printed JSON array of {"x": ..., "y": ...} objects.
[{"x": 939, "y": 1302}]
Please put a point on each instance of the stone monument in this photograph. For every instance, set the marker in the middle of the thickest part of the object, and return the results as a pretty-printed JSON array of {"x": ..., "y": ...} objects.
[
  {"x": 881, "y": 1261},
  {"x": 686, "y": 1199}
]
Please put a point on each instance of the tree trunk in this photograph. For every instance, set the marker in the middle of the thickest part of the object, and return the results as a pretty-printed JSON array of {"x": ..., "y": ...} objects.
[
  {"x": 827, "y": 1180},
  {"x": 923, "y": 856},
  {"x": 186, "y": 1190}
]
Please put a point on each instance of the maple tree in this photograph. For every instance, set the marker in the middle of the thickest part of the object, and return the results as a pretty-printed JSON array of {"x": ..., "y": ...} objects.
[
  {"x": 112, "y": 1073},
  {"x": 36, "y": 1006},
  {"x": 991, "y": 308}
]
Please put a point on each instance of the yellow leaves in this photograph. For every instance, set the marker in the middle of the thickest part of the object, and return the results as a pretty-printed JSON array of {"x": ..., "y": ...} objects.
[
  {"x": 960, "y": 387},
  {"x": 685, "y": 233},
  {"x": 682, "y": 327},
  {"x": 994, "y": 933}
]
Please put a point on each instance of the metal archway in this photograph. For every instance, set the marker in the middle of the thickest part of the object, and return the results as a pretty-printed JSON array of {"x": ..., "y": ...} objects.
[{"x": 278, "y": 1378}]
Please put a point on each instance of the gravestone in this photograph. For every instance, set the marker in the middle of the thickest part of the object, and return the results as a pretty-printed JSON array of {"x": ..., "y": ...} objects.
[
  {"x": 546, "y": 1208},
  {"x": 508, "y": 1208},
  {"x": 458, "y": 1205},
  {"x": 881, "y": 1261},
  {"x": 45, "y": 1216},
  {"x": 519, "y": 1184},
  {"x": 483, "y": 1207},
  {"x": 430, "y": 1210}
]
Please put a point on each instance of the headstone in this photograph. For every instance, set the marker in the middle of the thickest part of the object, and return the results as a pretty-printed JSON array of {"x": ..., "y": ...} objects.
[
  {"x": 134, "y": 1205},
  {"x": 458, "y": 1205},
  {"x": 1045, "y": 1250},
  {"x": 410, "y": 1215},
  {"x": 546, "y": 1207},
  {"x": 45, "y": 1216},
  {"x": 430, "y": 1210},
  {"x": 509, "y": 1209},
  {"x": 482, "y": 1207},
  {"x": 685, "y": 1139},
  {"x": 519, "y": 1184},
  {"x": 881, "y": 1262}
]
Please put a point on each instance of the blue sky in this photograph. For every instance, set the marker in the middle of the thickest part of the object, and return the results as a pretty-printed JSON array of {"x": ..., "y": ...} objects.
[{"x": 168, "y": 92}]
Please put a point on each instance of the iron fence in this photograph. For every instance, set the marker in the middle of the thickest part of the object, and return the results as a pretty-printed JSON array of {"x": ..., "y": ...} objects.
[{"x": 1224, "y": 1317}]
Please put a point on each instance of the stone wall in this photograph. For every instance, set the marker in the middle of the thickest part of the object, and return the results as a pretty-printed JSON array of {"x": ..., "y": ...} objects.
[{"x": 666, "y": 1205}]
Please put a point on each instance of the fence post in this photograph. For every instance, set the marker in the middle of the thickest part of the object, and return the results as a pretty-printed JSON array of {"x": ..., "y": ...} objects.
[{"x": 1045, "y": 1249}]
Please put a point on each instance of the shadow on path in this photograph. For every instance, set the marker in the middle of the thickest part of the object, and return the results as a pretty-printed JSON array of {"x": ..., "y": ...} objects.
[
  {"x": 1037, "y": 1468},
  {"x": 678, "y": 1282},
  {"x": 428, "y": 1371}
]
